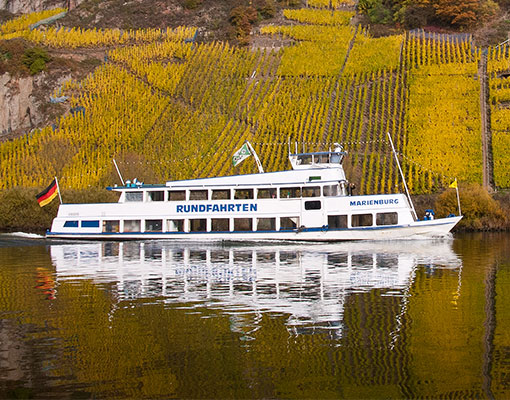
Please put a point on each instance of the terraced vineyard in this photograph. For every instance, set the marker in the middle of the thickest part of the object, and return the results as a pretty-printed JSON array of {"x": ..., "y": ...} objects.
[
  {"x": 166, "y": 107},
  {"x": 499, "y": 86}
]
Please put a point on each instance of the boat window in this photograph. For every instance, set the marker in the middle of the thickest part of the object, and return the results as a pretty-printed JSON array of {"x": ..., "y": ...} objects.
[
  {"x": 336, "y": 158},
  {"x": 71, "y": 224},
  {"x": 243, "y": 194},
  {"x": 132, "y": 225},
  {"x": 313, "y": 205},
  {"x": 220, "y": 224},
  {"x": 289, "y": 223},
  {"x": 243, "y": 224},
  {"x": 290, "y": 192},
  {"x": 361, "y": 220},
  {"x": 157, "y": 196},
  {"x": 175, "y": 225},
  {"x": 314, "y": 191},
  {"x": 266, "y": 193},
  {"x": 305, "y": 159},
  {"x": 90, "y": 224},
  {"x": 153, "y": 225},
  {"x": 389, "y": 218},
  {"x": 331, "y": 190},
  {"x": 266, "y": 224},
  {"x": 198, "y": 194},
  {"x": 198, "y": 225},
  {"x": 322, "y": 158},
  {"x": 221, "y": 194},
  {"x": 337, "y": 221},
  {"x": 176, "y": 195},
  {"x": 134, "y": 196},
  {"x": 110, "y": 226}
]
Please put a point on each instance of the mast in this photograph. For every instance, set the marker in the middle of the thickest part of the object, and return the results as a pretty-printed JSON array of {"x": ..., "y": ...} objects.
[
  {"x": 403, "y": 177},
  {"x": 118, "y": 171},
  {"x": 259, "y": 164}
]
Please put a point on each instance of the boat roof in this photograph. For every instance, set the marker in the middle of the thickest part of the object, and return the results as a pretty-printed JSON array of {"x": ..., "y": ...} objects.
[{"x": 308, "y": 168}]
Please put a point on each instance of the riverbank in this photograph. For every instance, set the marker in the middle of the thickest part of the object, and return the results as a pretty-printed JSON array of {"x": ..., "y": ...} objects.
[
  {"x": 19, "y": 210},
  {"x": 481, "y": 210}
]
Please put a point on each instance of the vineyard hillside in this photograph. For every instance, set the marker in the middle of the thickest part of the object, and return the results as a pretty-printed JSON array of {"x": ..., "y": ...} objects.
[{"x": 167, "y": 106}]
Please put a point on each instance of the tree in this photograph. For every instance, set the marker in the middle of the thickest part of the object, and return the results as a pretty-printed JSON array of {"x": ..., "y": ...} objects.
[
  {"x": 464, "y": 13},
  {"x": 457, "y": 13},
  {"x": 415, "y": 14}
]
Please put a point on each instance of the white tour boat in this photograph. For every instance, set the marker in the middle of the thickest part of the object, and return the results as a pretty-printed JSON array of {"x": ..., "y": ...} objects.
[{"x": 311, "y": 202}]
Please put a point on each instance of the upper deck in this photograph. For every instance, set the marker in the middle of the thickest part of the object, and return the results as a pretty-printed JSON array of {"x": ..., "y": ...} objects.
[{"x": 306, "y": 168}]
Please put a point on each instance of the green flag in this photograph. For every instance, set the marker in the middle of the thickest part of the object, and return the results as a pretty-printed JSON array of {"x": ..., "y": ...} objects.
[{"x": 241, "y": 154}]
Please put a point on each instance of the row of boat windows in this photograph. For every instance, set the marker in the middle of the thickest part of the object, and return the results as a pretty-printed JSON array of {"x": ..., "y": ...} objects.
[
  {"x": 228, "y": 194},
  {"x": 326, "y": 158},
  {"x": 232, "y": 224}
]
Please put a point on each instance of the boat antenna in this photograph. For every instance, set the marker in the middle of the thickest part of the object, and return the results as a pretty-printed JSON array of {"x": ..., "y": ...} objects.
[
  {"x": 118, "y": 171},
  {"x": 259, "y": 164},
  {"x": 402, "y": 175}
]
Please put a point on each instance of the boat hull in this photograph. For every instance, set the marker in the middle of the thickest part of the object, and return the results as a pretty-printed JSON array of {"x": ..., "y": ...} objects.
[{"x": 416, "y": 230}]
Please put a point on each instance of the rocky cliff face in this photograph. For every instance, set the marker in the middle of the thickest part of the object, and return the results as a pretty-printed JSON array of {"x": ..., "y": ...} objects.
[
  {"x": 24, "y": 102},
  {"x": 28, "y": 6},
  {"x": 18, "y": 109}
]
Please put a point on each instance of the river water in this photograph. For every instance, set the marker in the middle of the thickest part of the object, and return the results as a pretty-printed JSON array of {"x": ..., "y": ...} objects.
[{"x": 396, "y": 319}]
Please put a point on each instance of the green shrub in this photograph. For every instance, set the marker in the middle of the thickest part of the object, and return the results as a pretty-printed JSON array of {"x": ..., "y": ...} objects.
[
  {"x": 35, "y": 59},
  {"x": 20, "y": 211},
  {"x": 266, "y": 8},
  {"x": 5, "y": 55},
  {"x": 480, "y": 210}
]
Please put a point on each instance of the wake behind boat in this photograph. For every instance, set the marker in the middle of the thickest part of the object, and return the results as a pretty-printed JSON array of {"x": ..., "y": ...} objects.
[{"x": 312, "y": 202}]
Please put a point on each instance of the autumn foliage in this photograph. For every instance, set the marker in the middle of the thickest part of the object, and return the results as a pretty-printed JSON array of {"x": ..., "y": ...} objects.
[{"x": 413, "y": 14}]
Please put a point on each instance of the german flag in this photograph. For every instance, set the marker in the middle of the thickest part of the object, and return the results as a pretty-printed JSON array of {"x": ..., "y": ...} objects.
[{"x": 48, "y": 194}]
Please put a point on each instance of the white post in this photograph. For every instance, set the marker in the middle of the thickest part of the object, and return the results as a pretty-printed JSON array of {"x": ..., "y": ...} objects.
[
  {"x": 259, "y": 165},
  {"x": 118, "y": 171},
  {"x": 402, "y": 175},
  {"x": 58, "y": 190},
  {"x": 458, "y": 198}
]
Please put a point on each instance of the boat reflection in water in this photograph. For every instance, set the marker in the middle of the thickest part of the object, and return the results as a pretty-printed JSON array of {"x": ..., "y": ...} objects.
[{"x": 307, "y": 284}]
